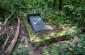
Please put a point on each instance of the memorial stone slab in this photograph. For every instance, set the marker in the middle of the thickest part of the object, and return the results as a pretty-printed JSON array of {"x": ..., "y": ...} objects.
[{"x": 36, "y": 23}]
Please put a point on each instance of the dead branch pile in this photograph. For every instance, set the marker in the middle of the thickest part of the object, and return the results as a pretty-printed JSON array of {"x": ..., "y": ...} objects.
[
  {"x": 8, "y": 50},
  {"x": 13, "y": 42}
]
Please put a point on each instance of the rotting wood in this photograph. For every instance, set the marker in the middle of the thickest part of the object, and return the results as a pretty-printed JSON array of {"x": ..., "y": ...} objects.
[{"x": 13, "y": 42}]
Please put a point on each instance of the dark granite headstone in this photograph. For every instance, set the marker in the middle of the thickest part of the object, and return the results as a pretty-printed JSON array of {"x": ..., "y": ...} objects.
[{"x": 36, "y": 22}]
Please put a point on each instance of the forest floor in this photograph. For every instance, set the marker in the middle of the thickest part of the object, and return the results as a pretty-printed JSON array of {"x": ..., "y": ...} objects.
[
  {"x": 24, "y": 38},
  {"x": 34, "y": 50}
]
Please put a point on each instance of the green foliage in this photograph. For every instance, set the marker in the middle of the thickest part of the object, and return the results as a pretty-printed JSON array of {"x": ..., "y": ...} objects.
[
  {"x": 54, "y": 49},
  {"x": 60, "y": 49},
  {"x": 5, "y": 7},
  {"x": 73, "y": 14},
  {"x": 20, "y": 49},
  {"x": 68, "y": 10},
  {"x": 24, "y": 51},
  {"x": 45, "y": 52},
  {"x": 65, "y": 46},
  {"x": 80, "y": 47},
  {"x": 67, "y": 49}
]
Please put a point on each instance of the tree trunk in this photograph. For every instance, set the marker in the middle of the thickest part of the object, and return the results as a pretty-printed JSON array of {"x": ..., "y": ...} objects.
[
  {"x": 60, "y": 5},
  {"x": 54, "y": 4},
  {"x": 13, "y": 42}
]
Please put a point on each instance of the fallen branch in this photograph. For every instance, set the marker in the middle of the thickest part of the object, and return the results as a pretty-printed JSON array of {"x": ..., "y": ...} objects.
[
  {"x": 6, "y": 41},
  {"x": 73, "y": 43},
  {"x": 5, "y": 22},
  {"x": 3, "y": 25},
  {"x": 13, "y": 42}
]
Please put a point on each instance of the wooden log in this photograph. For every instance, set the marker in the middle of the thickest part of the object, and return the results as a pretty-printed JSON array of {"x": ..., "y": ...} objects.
[
  {"x": 6, "y": 20},
  {"x": 13, "y": 42}
]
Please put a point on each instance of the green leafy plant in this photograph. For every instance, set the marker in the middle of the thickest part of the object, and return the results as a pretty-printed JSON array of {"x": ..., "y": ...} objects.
[
  {"x": 45, "y": 52},
  {"x": 80, "y": 47},
  {"x": 54, "y": 49},
  {"x": 20, "y": 49}
]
